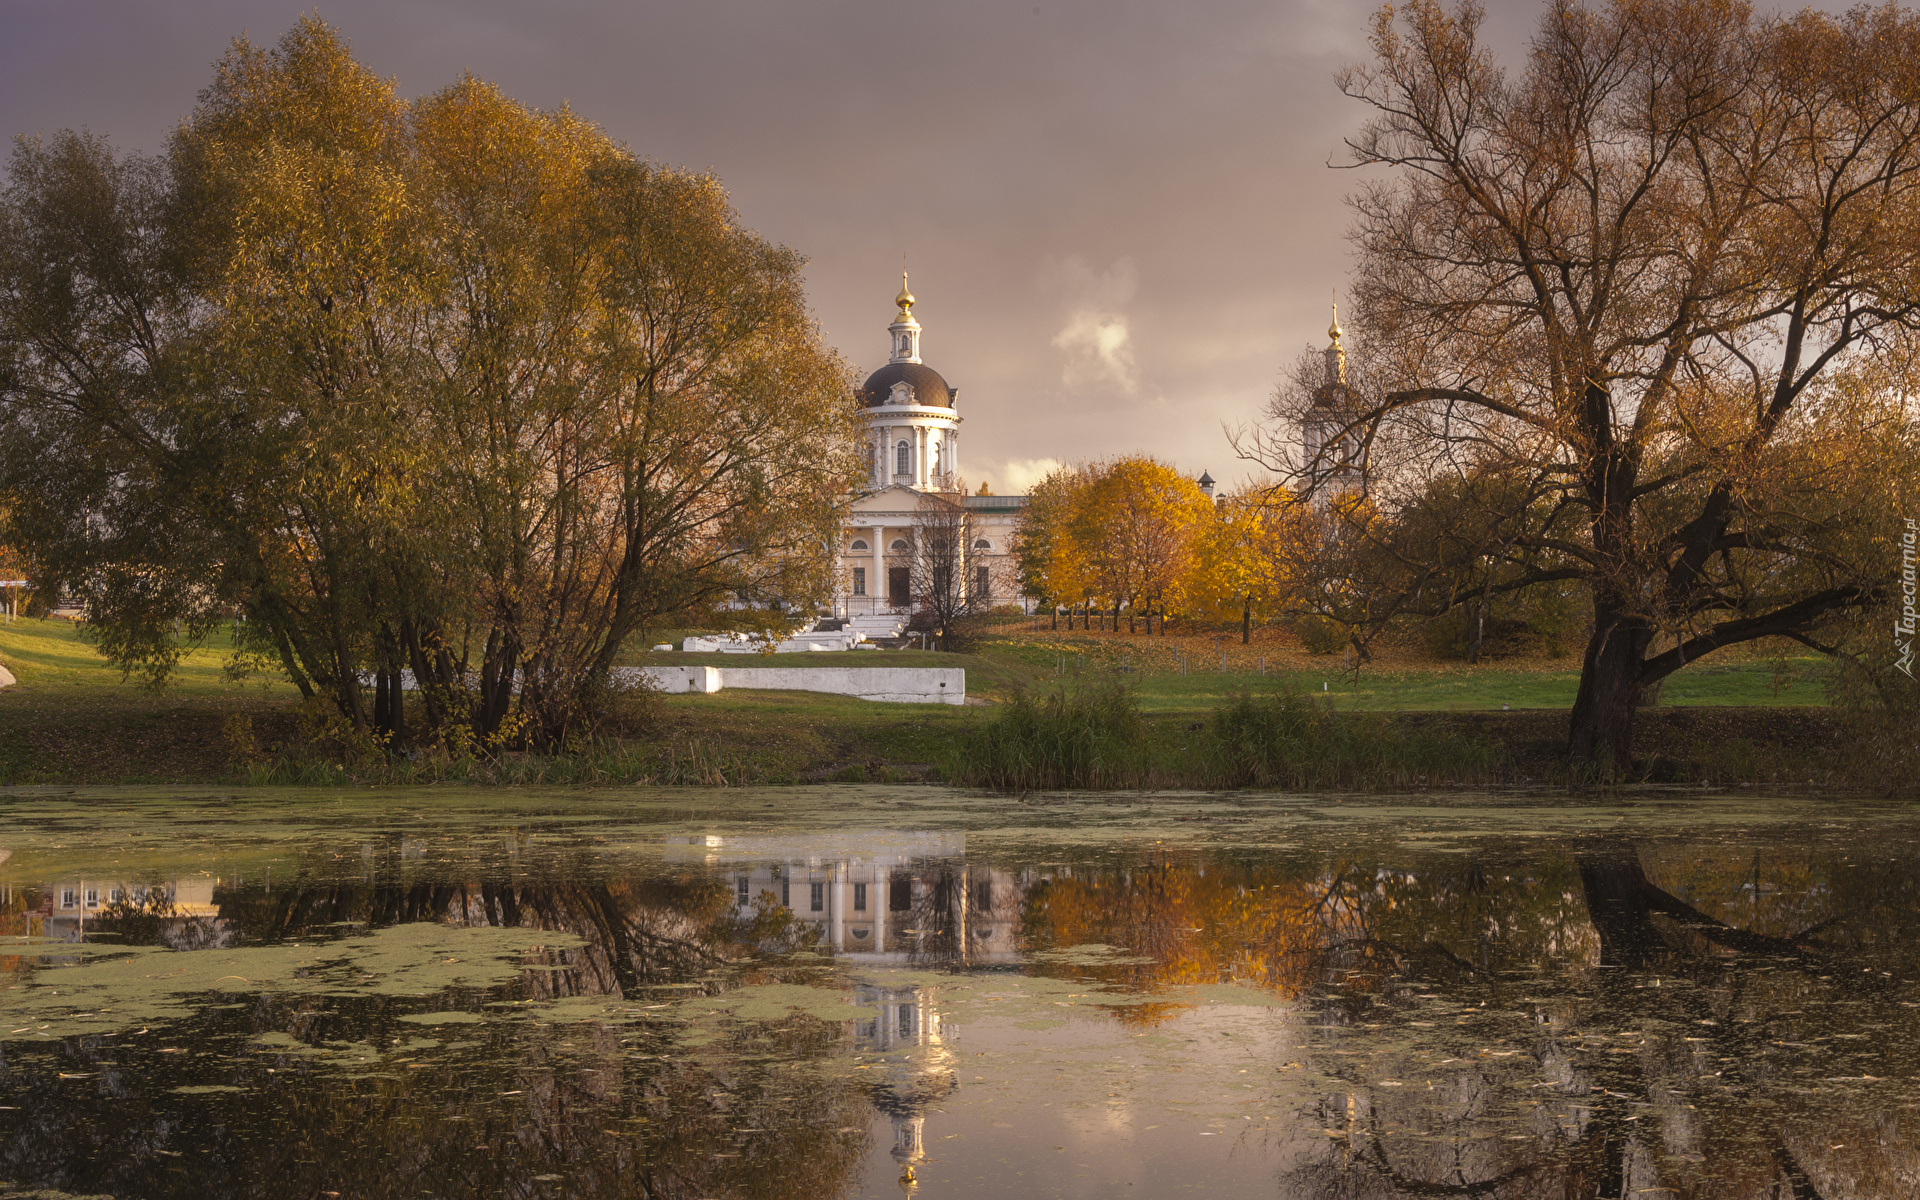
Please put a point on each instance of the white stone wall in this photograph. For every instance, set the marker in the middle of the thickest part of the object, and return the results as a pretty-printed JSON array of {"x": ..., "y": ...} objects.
[{"x": 897, "y": 685}]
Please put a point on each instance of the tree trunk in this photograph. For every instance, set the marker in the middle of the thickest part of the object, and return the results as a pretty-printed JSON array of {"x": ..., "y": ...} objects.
[
  {"x": 1600, "y": 735},
  {"x": 382, "y": 714},
  {"x": 1615, "y": 886},
  {"x": 1246, "y": 621},
  {"x": 1056, "y": 616}
]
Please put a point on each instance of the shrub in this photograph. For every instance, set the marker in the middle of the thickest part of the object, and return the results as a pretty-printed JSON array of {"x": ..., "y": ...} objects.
[
  {"x": 1320, "y": 635},
  {"x": 1293, "y": 739},
  {"x": 1090, "y": 737}
]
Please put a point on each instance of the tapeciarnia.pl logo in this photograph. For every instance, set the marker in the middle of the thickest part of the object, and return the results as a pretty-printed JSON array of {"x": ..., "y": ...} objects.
[{"x": 1904, "y": 624}]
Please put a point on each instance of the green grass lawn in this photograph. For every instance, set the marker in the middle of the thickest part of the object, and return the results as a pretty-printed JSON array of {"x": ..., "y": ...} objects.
[
  {"x": 54, "y": 653},
  {"x": 1477, "y": 689},
  {"x": 72, "y": 718}
]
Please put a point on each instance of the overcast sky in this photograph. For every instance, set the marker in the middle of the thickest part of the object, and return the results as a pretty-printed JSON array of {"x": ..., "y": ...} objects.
[{"x": 1119, "y": 215}]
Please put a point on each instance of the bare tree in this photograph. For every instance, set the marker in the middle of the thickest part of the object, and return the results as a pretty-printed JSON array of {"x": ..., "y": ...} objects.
[
  {"x": 950, "y": 578},
  {"x": 1637, "y": 316}
]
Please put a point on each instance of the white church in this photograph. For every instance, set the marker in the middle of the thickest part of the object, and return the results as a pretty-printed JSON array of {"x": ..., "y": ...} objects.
[{"x": 913, "y": 447}]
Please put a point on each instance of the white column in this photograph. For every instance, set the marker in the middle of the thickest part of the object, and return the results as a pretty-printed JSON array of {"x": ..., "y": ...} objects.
[
  {"x": 836, "y": 912},
  {"x": 876, "y": 578},
  {"x": 920, "y": 466},
  {"x": 836, "y": 906}
]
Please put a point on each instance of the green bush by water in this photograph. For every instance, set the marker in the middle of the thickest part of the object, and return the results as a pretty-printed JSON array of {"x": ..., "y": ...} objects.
[
  {"x": 1292, "y": 739},
  {"x": 1095, "y": 737},
  {"x": 1090, "y": 737}
]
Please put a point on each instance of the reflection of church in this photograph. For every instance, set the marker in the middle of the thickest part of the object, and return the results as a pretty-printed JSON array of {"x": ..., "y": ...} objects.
[
  {"x": 913, "y": 448},
  {"x": 183, "y": 908},
  {"x": 890, "y": 899},
  {"x": 916, "y": 1062},
  {"x": 899, "y": 899}
]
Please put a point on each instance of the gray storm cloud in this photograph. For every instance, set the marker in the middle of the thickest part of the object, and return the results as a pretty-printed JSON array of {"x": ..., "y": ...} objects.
[{"x": 1119, "y": 213}]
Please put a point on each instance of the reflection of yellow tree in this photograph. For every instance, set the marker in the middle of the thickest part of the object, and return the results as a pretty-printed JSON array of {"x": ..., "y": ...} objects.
[{"x": 1184, "y": 925}]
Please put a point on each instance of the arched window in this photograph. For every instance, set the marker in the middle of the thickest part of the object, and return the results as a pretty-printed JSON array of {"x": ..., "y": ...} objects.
[
  {"x": 983, "y": 544},
  {"x": 900, "y": 545},
  {"x": 902, "y": 458},
  {"x": 858, "y": 544}
]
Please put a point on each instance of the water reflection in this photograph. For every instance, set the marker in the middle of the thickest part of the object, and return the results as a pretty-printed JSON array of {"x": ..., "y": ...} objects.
[{"x": 569, "y": 1008}]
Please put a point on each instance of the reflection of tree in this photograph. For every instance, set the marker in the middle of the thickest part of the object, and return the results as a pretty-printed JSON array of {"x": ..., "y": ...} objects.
[
  {"x": 1677, "y": 1062},
  {"x": 614, "y": 1109},
  {"x": 1182, "y": 924},
  {"x": 1585, "y": 1020}
]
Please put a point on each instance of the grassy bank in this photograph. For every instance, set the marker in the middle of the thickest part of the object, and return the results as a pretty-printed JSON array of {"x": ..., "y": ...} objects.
[{"x": 1402, "y": 723}]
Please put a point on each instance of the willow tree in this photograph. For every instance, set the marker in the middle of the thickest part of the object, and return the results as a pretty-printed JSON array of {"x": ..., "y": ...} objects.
[
  {"x": 633, "y": 409},
  {"x": 455, "y": 388},
  {"x": 1634, "y": 312}
]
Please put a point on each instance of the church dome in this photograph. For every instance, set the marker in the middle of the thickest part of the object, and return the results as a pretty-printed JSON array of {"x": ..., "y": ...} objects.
[{"x": 929, "y": 389}]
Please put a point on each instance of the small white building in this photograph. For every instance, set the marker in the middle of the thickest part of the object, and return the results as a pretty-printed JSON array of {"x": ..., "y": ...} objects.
[{"x": 913, "y": 447}]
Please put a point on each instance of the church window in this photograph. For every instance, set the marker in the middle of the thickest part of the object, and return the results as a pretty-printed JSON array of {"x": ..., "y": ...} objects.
[
  {"x": 859, "y": 897},
  {"x": 900, "y": 545},
  {"x": 982, "y": 544},
  {"x": 902, "y": 458},
  {"x": 982, "y": 583},
  {"x": 816, "y": 897},
  {"x": 860, "y": 579},
  {"x": 859, "y": 544}
]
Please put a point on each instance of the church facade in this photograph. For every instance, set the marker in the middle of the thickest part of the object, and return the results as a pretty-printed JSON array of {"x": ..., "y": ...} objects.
[{"x": 912, "y": 443}]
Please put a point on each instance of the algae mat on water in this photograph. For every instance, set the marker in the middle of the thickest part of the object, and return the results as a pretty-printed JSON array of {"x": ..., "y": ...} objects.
[{"x": 104, "y": 988}]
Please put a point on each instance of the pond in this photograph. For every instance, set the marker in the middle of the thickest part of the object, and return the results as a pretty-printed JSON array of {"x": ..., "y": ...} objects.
[{"x": 870, "y": 991}]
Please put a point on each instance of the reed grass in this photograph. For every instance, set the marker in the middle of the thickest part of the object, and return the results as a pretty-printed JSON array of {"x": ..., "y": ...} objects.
[
  {"x": 1295, "y": 740},
  {"x": 690, "y": 763},
  {"x": 1076, "y": 737},
  {"x": 1094, "y": 737}
]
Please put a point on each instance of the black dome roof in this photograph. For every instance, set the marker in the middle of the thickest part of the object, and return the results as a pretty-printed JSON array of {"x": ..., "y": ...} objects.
[{"x": 929, "y": 390}]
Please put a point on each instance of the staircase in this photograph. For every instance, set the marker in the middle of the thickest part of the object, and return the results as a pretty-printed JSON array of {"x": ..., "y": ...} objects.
[{"x": 878, "y": 627}]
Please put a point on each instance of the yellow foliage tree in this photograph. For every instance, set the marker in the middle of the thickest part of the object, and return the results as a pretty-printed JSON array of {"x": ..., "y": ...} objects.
[
  {"x": 1138, "y": 526},
  {"x": 1241, "y": 560}
]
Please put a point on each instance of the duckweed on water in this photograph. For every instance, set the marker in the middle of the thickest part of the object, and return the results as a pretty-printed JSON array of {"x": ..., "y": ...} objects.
[
  {"x": 109, "y": 988},
  {"x": 1234, "y": 993}
]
